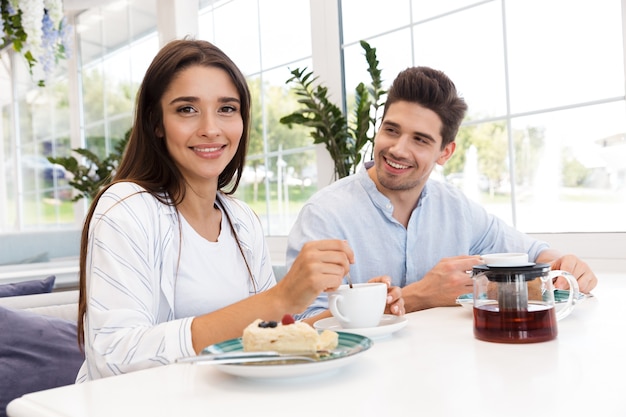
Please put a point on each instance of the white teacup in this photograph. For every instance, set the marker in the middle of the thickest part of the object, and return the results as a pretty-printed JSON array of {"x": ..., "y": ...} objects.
[
  {"x": 359, "y": 307},
  {"x": 505, "y": 259}
]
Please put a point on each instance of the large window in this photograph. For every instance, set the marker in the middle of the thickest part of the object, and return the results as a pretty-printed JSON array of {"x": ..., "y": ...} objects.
[
  {"x": 35, "y": 124},
  {"x": 117, "y": 42},
  {"x": 544, "y": 142},
  {"x": 281, "y": 171},
  {"x": 543, "y": 145},
  {"x": 90, "y": 110}
]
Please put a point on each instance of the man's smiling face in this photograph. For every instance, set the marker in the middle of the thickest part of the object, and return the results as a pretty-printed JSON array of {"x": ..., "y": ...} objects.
[{"x": 407, "y": 148}]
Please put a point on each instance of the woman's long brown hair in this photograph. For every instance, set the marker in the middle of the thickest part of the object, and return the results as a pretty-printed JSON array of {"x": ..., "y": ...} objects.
[{"x": 146, "y": 161}]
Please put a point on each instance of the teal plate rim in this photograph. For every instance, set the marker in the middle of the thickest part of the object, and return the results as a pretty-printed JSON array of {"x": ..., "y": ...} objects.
[{"x": 349, "y": 344}]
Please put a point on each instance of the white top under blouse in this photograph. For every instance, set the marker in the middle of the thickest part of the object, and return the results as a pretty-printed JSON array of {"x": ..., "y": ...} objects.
[{"x": 209, "y": 275}]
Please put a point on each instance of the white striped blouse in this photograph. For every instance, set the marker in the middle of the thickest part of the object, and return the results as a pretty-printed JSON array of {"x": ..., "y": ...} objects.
[{"x": 131, "y": 271}]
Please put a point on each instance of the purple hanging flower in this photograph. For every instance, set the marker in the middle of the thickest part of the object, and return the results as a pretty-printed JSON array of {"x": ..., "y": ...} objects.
[{"x": 37, "y": 30}]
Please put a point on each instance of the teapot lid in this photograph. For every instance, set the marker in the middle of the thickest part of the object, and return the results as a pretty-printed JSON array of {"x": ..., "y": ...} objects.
[{"x": 506, "y": 273}]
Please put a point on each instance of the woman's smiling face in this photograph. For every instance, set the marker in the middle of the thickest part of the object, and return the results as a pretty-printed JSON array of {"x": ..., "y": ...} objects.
[{"x": 202, "y": 122}]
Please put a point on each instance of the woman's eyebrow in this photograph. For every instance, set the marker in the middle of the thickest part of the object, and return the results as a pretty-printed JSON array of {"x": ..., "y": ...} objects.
[
  {"x": 191, "y": 99},
  {"x": 229, "y": 100}
]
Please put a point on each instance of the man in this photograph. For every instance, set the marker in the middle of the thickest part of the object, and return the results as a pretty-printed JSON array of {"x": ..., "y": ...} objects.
[{"x": 425, "y": 234}]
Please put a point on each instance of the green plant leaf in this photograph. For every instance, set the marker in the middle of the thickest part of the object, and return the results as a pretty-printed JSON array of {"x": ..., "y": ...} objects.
[
  {"x": 90, "y": 177},
  {"x": 344, "y": 141}
]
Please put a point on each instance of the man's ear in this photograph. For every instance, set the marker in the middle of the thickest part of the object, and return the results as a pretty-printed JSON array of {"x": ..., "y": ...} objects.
[{"x": 446, "y": 153}]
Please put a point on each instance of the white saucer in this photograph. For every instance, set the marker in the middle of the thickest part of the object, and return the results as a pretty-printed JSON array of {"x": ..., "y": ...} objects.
[{"x": 388, "y": 325}]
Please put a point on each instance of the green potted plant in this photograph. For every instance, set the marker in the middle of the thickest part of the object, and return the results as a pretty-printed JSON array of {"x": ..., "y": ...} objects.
[
  {"x": 345, "y": 138},
  {"x": 90, "y": 178}
]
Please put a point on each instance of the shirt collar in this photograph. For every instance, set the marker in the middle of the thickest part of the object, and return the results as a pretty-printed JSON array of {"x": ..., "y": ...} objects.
[{"x": 378, "y": 198}]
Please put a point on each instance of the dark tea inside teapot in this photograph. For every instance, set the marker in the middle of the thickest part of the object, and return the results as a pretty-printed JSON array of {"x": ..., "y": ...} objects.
[{"x": 515, "y": 304}]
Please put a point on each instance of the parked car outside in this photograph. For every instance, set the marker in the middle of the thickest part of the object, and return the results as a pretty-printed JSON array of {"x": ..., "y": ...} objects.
[{"x": 40, "y": 164}]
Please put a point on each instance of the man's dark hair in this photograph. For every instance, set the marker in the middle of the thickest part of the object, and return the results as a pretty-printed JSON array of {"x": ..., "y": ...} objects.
[{"x": 433, "y": 90}]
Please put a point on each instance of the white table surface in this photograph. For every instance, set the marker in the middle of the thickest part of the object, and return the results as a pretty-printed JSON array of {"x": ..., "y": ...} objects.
[{"x": 432, "y": 367}]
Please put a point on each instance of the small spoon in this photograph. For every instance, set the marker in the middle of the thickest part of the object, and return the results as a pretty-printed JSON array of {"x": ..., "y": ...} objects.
[{"x": 349, "y": 280}]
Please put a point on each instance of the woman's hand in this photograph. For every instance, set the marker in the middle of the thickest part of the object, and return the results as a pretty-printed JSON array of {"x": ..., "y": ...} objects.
[{"x": 320, "y": 266}]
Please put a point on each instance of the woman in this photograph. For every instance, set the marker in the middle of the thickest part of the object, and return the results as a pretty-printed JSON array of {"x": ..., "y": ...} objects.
[{"x": 170, "y": 262}]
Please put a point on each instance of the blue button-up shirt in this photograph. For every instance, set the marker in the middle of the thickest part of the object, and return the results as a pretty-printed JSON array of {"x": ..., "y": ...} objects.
[{"x": 444, "y": 223}]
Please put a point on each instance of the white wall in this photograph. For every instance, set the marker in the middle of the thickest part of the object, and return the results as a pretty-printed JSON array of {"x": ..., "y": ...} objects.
[{"x": 604, "y": 252}]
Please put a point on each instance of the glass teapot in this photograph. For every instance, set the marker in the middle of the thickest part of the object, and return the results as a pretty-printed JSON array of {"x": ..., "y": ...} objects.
[{"x": 515, "y": 304}]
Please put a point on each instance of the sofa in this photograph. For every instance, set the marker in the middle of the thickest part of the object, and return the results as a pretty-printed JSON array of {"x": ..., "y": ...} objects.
[
  {"x": 60, "y": 304},
  {"x": 38, "y": 343}
]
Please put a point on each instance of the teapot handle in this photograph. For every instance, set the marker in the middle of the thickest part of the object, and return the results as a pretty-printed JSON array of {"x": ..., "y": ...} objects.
[{"x": 574, "y": 292}]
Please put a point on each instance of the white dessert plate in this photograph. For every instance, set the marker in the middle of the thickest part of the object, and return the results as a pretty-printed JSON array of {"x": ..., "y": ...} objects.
[
  {"x": 388, "y": 324},
  {"x": 347, "y": 350}
]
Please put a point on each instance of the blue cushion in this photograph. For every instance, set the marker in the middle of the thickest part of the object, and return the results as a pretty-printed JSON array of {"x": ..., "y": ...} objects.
[
  {"x": 37, "y": 352},
  {"x": 28, "y": 287}
]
